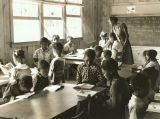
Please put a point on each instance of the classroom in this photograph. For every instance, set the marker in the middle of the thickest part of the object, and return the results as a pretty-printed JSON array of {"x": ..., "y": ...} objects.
[{"x": 79, "y": 59}]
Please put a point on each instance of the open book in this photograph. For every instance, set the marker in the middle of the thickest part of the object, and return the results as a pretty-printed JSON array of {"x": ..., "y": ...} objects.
[
  {"x": 84, "y": 86},
  {"x": 6, "y": 68}
]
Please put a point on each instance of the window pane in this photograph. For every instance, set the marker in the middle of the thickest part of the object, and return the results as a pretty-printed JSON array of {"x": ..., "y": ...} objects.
[
  {"x": 52, "y": 10},
  {"x": 74, "y": 27},
  {"x": 52, "y": 27},
  {"x": 75, "y": 1},
  {"x": 26, "y": 30},
  {"x": 25, "y": 9},
  {"x": 73, "y": 10}
]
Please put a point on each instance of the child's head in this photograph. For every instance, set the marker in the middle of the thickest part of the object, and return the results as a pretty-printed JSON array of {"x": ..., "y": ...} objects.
[
  {"x": 70, "y": 39},
  {"x": 43, "y": 67},
  {"x": 57, "y": 49},
  {"x": 110, "y": 67},
  {"x": 113, "y": 20},
  {"x": 98, "y": 50},
  {"x": 140, "y": 85},
  {"x": 112, "y": 37},
  {"x": 18, "y": 56},
  {"x": 150, "y": 55},
  {"x": 103, "y": 35},
  {"x": 44, "y": 42},
  {"x": 55, "y": 38},
  {"x": 89, "y": 56},
  {"x": 106, "y": 54},
  {"x": 25, "y": 83}
]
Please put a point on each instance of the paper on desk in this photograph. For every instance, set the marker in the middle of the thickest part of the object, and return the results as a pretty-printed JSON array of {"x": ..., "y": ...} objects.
[
  {"x": 52, "y": 88},
  {"x": 84, "y": 86},
  {"x": 25, "y": 95},
  {"x": 85, "y": 93}
]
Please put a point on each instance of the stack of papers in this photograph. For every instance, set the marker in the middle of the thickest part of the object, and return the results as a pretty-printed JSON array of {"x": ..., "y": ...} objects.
[
  {"x": 84, "y": 86},
  {"x": 85, "y": 93},
  {"x": 52, "y": 88},
  {"x": 6, "y": 68}
]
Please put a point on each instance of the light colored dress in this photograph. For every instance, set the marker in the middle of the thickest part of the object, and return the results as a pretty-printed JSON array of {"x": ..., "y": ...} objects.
[
  {"x": 138, "y": 106},
  {"x": 18, "y": 72},
  {"x": 102, "y": 43}
]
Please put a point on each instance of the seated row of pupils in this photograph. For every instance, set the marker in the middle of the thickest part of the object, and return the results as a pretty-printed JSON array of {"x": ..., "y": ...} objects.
[{"x": 98, "y": 69}]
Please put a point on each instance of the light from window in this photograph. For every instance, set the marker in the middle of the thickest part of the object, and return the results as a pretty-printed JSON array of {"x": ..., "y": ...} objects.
[
  {"x": 52, "y": 27},
  {"x": 73, "y": 10},
  {"x": 52, "y": 10},
  {"x": 74, "y": 27},
  {"x": 26, "y": 30},
  {"x": 56, "y": 0},
  {"x": 25, "y": 9},
  {"x": 75, "y": 1}
]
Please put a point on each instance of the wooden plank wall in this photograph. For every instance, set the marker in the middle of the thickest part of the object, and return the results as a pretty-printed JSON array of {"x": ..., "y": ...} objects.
[{"x": 89, "y": 31}]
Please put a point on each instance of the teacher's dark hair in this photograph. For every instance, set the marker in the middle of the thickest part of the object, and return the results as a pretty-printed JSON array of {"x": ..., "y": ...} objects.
[{"x": 113, "y": 19}]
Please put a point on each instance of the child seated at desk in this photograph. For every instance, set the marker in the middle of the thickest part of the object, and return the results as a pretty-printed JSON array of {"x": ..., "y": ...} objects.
[
  {"x": 119, "y": 91},
  {"x": 55, "y": 39},
  {"x": 98, "y": 50},
  {"x": 20, "y": 69},
  {"x": 141, "y": 97},
  {"x": 56, "y": 71},
  {"x": 12, "y": 90},
  {"x": 89, "y": 71},
  {"x": 41, "y": 79},
  {"x": 69, "y": 47},
  {"x": 43, "y": 53}
]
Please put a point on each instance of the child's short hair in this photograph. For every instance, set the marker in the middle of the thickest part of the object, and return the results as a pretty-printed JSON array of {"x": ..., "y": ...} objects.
[
  {"x": 98, "y": 48},
  {"x": 110, "y": 65},
  {"x": 140, "y": 85},
  {"x": 42, "y": 64},
  {"x": 58, "y": 47},
  {"x": 26, "y": 82},
  {"x": 113, "y": 19},
  {"x": 113, "y": 35},
  {"x": 19, "y": 53},
  {"x": 56, "y": 37},
  {"x": 69, "y": 38},
  {"x": 152, "y": 54},
  {"x": 90, "y": 53},
  {"x": 44, "y": 40},
  {"x": 107, "y": 53}
]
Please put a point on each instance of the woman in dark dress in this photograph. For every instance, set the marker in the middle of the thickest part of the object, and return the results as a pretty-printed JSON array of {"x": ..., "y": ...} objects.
[{"x": 121, "y": 32}]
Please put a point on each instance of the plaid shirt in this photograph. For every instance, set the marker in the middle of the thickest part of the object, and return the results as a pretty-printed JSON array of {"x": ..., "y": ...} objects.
[{"x": 89, "y": 74}]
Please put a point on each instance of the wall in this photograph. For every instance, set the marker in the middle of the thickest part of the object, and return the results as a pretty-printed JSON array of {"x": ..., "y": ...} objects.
[{"x": 89, "y": 31}]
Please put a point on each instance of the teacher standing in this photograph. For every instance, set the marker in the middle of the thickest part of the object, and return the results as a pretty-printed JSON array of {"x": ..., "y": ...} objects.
[{"x": 121, "y": 32}]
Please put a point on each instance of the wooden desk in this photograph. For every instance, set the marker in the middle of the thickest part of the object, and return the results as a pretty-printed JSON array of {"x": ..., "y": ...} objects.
[
  {"x": 44, "y": 105},
  {"x": 126, "y": 71},
  {"x": 73, "y": 59}
]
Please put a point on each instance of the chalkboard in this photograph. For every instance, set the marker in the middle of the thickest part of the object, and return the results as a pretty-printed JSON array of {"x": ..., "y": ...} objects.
[{"x": 143, "y": 30}]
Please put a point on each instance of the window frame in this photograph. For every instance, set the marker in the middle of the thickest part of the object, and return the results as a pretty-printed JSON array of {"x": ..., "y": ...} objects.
[{"x": 41, "y": 17}]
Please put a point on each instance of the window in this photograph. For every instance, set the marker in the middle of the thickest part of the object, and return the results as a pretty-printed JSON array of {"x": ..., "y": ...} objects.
[{"x": 33, "y": 20}]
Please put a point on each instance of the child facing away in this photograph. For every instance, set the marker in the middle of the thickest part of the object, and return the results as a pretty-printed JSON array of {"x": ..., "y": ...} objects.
[
  {"x": 43, "y": 53},
  {"x": 141, "y": 97},
  {"x": 69, "y": 47},
  {"x": 20, "y": 69},
  {"x": 114, "y": 107},
  {"x": 12, "y": 90},
  {"x": 89, "y": 71},
  {"x": 98, "y": 50},
  {"x": 41, "y": 79},
  {"x": 106, "y": 54},
  {"x": 56, "y": 71}
]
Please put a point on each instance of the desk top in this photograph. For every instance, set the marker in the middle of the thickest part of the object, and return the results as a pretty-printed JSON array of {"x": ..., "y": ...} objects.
[
  {"x": 126, "y": 71},
  {"x": 44, "y": 105}
]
